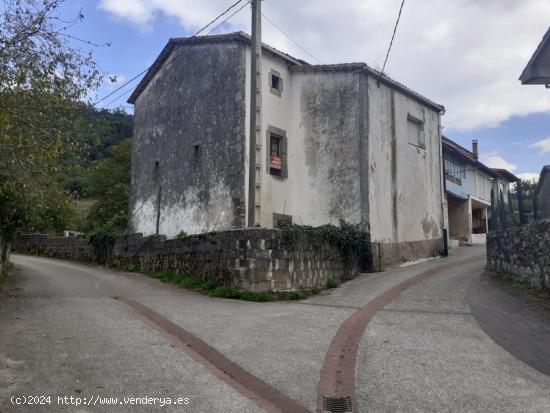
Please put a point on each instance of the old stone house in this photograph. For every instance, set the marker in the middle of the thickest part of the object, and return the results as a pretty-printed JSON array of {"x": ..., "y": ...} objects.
[{"x": 338, "y": 142}]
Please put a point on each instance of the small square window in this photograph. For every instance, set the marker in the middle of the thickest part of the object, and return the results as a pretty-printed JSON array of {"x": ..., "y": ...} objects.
[
  {"x": 275, "y": 83},
  {"x": 197, "y": 155},
  {"x": 415, "y": 131}
]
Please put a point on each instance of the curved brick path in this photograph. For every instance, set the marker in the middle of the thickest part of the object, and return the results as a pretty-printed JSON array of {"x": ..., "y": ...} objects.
[{"x": 337, "y": 379}]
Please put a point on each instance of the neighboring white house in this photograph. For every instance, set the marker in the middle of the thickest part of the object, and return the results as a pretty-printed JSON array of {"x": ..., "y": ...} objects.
[
  {"x": 339, "y": 142},
  {"x": 468, "y": 186}
]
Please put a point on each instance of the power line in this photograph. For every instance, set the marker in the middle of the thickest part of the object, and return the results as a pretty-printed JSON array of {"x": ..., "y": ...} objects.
[
  {"x": 195, "y": 35},
  {"x": 290, "y": 38},
  {"x": 391, "y": 41}
]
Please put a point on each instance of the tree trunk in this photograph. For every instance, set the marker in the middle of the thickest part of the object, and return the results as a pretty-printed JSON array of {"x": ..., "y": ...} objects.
[{"x": 4, "y": 258}]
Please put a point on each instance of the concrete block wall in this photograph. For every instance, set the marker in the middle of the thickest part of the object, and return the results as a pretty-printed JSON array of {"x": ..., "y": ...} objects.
[
  {"x": 523, "y": 252},
  {"x": 251, "y": 259}
]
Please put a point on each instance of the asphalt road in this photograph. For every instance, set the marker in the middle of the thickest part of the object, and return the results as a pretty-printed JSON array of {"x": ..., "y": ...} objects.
[{"x": 63, "y": 334}]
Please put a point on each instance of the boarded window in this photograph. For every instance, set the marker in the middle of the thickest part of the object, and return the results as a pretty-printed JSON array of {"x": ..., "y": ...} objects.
[{"x": 415, "y": 131}]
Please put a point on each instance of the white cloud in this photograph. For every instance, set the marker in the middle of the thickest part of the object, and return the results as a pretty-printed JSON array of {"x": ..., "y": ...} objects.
[
  {"x": 529, "y": 176},
  {"x": 494, "y": 160},
  {"x": 464, "y": 54},
  {"x": 542, "y": 146}
]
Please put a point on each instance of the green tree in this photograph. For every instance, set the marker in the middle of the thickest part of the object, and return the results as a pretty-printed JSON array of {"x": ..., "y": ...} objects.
[
  {"x": 528, "y": 188},
  {"x": 43, "y": 81},
  {"x": 109, "y": 182}
]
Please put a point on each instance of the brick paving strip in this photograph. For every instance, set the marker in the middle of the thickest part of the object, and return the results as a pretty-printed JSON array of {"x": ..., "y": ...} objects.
[
  {"x": 337, "y": 379},
  {"x": 250, "y": 386}
]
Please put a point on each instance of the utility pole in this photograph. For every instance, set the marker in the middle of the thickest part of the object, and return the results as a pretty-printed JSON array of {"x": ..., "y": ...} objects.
[{"x": 255, "y": 111}]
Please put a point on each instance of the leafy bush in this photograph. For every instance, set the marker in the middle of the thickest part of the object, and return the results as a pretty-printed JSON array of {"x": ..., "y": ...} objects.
[
  {"x": 102, "y": 243},
  {"x": 332, "y": 283},
  {"x": 132, "y": 267}
]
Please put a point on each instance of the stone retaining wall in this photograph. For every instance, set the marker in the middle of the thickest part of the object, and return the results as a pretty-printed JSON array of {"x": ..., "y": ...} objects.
[
  {"x": 523, "y": 252},
  {"x": 54, "y": 247},
  {"x": 251, "y": 259}
]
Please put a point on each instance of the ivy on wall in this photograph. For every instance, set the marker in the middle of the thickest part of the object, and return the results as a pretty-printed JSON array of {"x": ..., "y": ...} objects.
[{"x": 351, "y": 240}]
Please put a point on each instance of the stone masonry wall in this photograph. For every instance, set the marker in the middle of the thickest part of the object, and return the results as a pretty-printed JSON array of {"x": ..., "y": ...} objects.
[
  {"x": 523, "y": 252},
  {"x": 251, "y": 259},
  {"x": 54, "y": 247}
]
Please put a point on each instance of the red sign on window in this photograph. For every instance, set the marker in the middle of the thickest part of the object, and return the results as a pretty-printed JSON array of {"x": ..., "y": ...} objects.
[{"x": 275, "y": 162}]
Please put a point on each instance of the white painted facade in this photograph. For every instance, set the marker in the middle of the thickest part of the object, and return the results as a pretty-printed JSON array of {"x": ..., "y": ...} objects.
[{"x": 403, "y": 207}]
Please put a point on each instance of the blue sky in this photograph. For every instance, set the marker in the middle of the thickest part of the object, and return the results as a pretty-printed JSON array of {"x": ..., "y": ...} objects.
[{"x": 469, "y": 67}]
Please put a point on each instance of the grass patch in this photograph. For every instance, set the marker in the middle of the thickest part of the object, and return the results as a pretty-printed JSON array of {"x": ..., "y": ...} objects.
[
  {"x": 516, "y": 284},
  {"x": 194, "y": 282}
]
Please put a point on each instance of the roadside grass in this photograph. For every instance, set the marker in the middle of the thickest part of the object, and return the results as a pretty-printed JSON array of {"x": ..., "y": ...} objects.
[
  {"x": 516, "y": 284},
  {"x": 193, "y": 282}
]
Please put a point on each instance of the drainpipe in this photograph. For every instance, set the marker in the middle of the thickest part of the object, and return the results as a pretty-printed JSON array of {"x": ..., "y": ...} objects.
[{"x": 442, "y": 186}]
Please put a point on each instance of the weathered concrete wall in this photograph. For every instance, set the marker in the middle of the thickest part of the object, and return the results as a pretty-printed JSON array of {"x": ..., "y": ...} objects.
[
  {"x": 54, "y": 247},
  {"x": 189, "y": 143},
  {"x": 319, "y": 111},
  {"x": 404, "y": 179},
  {"x": 460, "y": 219},
  {"x": 522, "y": 251},
  {"x": 251, "y": 259}
]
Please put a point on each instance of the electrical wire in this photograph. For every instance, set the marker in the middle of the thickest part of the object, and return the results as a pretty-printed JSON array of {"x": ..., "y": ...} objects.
[
  {"x": 391, "y": 41},
  {"x": 195, "y": 35},
  {"x": 290, "y": 38}
]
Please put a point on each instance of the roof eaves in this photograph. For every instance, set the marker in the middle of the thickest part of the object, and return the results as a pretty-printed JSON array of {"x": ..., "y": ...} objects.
[
  {"x": 329, "y": 67},
  {"x": 509, "y": 176},
  {"x": 466, "y": 155},
  {"x": 182, "y": 41},
  {"x": 360, "y": 66},
  {"x": 415, "y": 95},
  {"x": 525, "y": 73}
]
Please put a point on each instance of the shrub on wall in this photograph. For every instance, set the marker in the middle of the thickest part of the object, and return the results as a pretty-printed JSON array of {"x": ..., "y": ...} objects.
[
  {"x": 102, "y": 243},
  {"x": 351, "y": 240}
]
